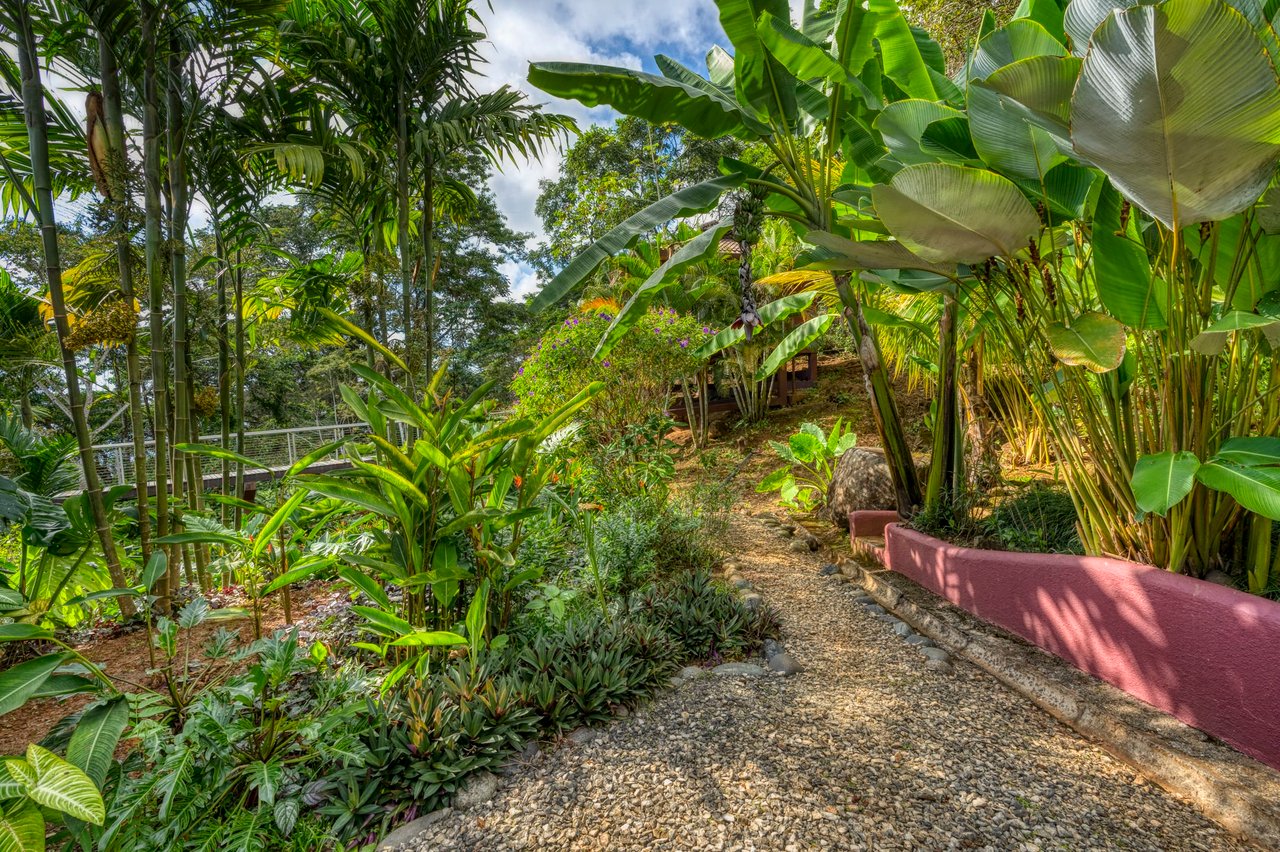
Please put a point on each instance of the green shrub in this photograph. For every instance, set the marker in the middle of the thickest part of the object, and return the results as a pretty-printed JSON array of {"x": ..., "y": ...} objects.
[
  {"x": 811, "y": 456},
  {"x": 638, "y": 374},
  {"x": 246, "y": 767},
  {"x": 1042, "y": 519},
  {"x": 704, "y": 619}
]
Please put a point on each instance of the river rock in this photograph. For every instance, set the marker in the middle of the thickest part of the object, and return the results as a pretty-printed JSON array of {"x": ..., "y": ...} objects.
[
  {"x": 738, "y": 670},
  {"x": 478, "y": 788}
]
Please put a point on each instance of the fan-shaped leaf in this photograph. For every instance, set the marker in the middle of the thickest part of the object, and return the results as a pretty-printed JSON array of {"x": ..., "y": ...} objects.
[
  {"x": 945, "y": 212},
  {"x": 1179, "y": 105},
  {"x": 1093, "y": 341}
]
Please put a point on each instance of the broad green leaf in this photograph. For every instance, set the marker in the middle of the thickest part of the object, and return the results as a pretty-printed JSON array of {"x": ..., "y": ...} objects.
[
  {"x": 900, "y": 52},
  {"x": 799, "y": 339},
  {"x": 698, "y": 198},
  {"x": 18, "y": 683},
  {"x": 201, "y": 537},
  {"x": 695, "y": 251},
  {"x": 1255, "y": 488},
  {"x": 277, "y": 520},
  {"x": 23, "y": 632},
  {"x": 849, "y": 254},
  {"x": 93, "y": 744},
  {"x": 1046, "y": 13},
  {"x": 1251, "y": 451},
  {"x": 384, "y": 623},
  {"x": 1123, "y": 276},
  {"x": 774, "y": 481},
  {"x": 1179, "y": 105},
  {"x": 154, "y": 570},
  {"x": 760, "y": 80},
  {"x": 368, "y": 585},
  {"x": 429, "y": 639},
  {"x": 1092, "y": 340},
  {"x": 1020, "y": 39},
  {"x": 659, "y": 100},
  {"x": 351, "y": 491},
  {"x": 303, "y": 570},
  {"x": 1162, "y": 480},
  {"x": 63, "y": 787},
  {"x": 21, "y": 827},
  {"x": 902, "y": 124},
  {"x": 220, "y": 453},
  {"x": 944, "y": 212},
  {"x": 354, "y": 330},
  {"x": 1083, "y": 17},
  {"x": 1019, "y": 115}
]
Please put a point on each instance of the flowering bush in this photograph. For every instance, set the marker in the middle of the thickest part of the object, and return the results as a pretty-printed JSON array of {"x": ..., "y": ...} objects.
[{"x": 638, "y": 373}]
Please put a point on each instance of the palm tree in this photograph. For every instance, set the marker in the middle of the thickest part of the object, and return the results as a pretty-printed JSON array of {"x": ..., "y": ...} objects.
[
  {"x": 17, "y": 16},
  {"x": 423, "y": 53}
]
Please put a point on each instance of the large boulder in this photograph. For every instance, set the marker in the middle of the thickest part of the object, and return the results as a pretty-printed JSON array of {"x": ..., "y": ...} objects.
[{"x": 862, "y": 482}]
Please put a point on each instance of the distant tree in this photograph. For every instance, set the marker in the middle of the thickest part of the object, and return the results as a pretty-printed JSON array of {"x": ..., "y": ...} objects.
[{"x": 609, "y": 173}]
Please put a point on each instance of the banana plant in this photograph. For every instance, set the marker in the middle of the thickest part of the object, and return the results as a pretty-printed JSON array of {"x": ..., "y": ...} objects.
[{"x": 810, "y": 95}]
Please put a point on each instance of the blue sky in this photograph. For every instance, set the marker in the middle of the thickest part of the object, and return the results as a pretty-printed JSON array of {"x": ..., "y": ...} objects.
[{"x": 607, "y": 32}]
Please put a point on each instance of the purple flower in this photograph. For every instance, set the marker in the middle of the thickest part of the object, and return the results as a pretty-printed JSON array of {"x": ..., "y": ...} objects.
[
  {"x": 520, "y": 372},
  {"x": 608, "y": 363},
  {"x": 706, "y": 329},
  {"x": 684, "y": 343}
]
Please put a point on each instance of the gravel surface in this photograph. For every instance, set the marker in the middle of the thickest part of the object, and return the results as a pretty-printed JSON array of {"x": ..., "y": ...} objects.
[{"x": 868, "y": 748}]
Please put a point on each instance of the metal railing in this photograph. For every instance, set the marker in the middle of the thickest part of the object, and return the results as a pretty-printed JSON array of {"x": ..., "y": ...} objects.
[{"x": 274, "y": 448}]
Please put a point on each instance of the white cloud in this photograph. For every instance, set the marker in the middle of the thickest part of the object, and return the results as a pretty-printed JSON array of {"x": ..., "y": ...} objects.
[{"x": 606, "y": 32}]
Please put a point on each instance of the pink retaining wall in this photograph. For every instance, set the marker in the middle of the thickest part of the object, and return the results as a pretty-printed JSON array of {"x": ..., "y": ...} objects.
[
  {"x": 871, "y": 522},
  {"x": 1208, "y": 654}
]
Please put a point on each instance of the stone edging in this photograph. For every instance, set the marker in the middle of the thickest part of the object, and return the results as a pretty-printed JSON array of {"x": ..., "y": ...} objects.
[{"x": 1246, "y": 805}]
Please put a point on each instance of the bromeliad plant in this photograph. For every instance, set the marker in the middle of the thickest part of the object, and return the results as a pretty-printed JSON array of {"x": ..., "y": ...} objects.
[
  {"x": 451, "y": 498},
  {"x": 811, "y": 456}
]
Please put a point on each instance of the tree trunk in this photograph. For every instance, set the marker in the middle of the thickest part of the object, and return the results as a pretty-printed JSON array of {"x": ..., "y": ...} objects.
[
  {"x": 402, "y": 232},
  {"x": 942, "y": 468},
  {"x": 42, "y": 181},
  {"x": 427, "y": 225},
  {"x": 121, "y": 193},
  {"x": 224, "y": 373},
  {"x": 155, "y": 284},
  {"x": 902, "y": 467},
  {"x": 239, "y": 297}
]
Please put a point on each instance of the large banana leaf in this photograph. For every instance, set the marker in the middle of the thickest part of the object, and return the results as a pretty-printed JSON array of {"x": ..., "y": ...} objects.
[
  {"x": 902, "y": 125},
  {"x": 954, "y": 214},
  {"x": 661, "y": 100},
  {"x": 1160, "y": 481},
  {"x": 900, "y": 52},
  {"x": 1019, "y": 39},
  {"x": 694, "y": 251},
  {"x": 1018, "y": 115},
  {"x": 843, "y": 254},
  {"x": 1082, "y": 17},
  {"x": 1122, "y": 269},
  {"x": 760, "y": 79},
  {"x": 1046, "y": 13},
  {"x": 801, "y": 338},
  {"x": 1179, "y": 105},
  {"x": 698, "y": 198}
]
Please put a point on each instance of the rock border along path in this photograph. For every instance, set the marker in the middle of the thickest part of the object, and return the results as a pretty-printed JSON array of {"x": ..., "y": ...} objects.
[{"x": 867, "y": 748}]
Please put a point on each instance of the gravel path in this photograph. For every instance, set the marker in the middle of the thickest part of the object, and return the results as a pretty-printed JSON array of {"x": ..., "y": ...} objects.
[{"x": 867, "y": 749}]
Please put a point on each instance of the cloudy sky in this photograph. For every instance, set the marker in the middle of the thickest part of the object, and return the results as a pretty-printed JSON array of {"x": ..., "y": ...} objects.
[{"x": 608, "y": 32}]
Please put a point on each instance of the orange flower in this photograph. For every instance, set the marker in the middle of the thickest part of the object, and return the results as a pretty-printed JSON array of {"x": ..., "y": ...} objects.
[{"x": 519, "y": 481}]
